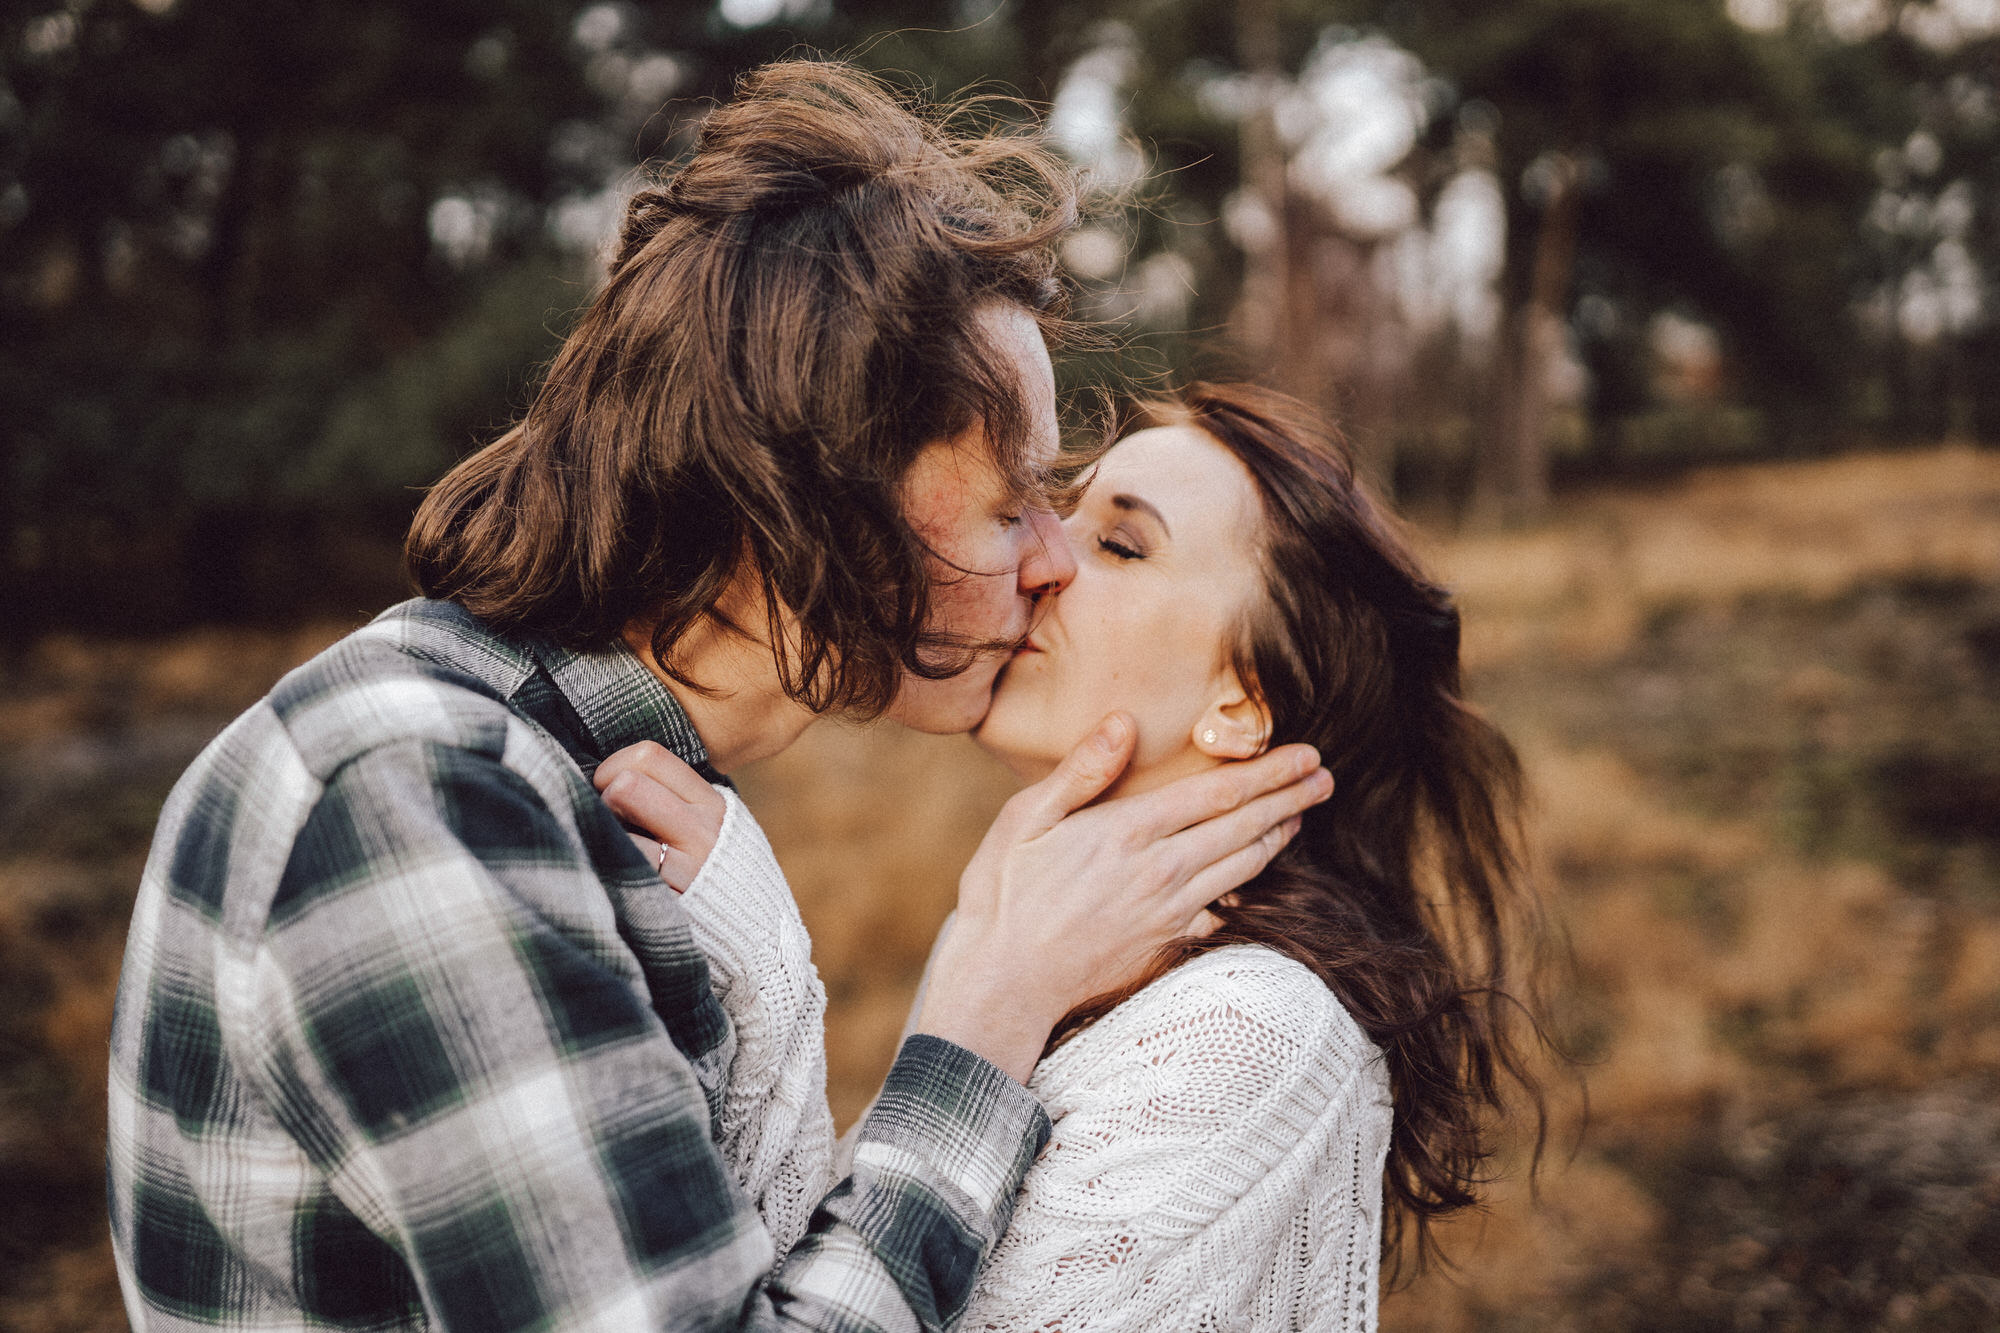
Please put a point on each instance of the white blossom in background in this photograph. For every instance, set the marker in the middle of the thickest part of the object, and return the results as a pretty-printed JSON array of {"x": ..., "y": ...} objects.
[
  {"x": 1923, "y": 153},
  {"x": 635, "y": 82},
  {"x": 1920, "y": 306},
  {"x": 586, "y": 224},
  {"x": 1164, "y": 290},
  {"x": 1683, "y": 343},
  {"x": 1463, "y": 252},
  {"x": 758, "y": 13},
  {"x": 1086, "y": 120},
  {"x": 464, "y": 226},
  {"x": 1350, "y": 121},
  {"x": 1855, "y": 20},
  {"x": 1760, "y": 15},
  {"x": 1942, "y": 25},
  {"x": 1945, "y": 295},
  {"x": 1249, "y": 222},
  {"x": 599, "y": 27},
  {"x": 1943, "y": 292},
  {"x": 653, "y": 78},
  {"x": 49, "y": 35},
  {"x": 1947, "y": 25},
  {"x": 488, "y": 56},
  {"x": 1094, "y": 253}
]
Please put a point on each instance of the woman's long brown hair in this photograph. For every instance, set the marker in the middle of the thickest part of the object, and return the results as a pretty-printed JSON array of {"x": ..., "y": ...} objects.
[{"x": 1399, "y": 890}]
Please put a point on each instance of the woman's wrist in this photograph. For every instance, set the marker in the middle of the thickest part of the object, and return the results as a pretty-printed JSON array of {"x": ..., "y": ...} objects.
[{"x": 990, "y": 1009}]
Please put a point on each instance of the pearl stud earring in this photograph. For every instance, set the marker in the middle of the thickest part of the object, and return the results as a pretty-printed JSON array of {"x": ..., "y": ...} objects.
[{"x": 1208, "y": 737}]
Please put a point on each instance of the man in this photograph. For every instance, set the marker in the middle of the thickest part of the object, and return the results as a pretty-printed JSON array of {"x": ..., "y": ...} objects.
[{"x": 409, "y": 1034}]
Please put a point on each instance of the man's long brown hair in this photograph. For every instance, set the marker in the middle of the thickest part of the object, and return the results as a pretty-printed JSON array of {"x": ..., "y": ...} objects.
[
  {"x": 788, "y": 321},
  {"x": 1399, "y": 890}
]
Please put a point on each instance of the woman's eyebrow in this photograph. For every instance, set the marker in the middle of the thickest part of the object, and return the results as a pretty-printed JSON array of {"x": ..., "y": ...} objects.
[{"x": 1132, "y": 502}]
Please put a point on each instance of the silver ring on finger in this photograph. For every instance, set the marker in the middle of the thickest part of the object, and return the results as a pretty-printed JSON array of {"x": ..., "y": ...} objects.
[{"x": 660, "y": 865}]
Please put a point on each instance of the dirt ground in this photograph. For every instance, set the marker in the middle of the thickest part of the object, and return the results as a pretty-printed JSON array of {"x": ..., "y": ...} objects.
[{"x": 1761, "y": 713}]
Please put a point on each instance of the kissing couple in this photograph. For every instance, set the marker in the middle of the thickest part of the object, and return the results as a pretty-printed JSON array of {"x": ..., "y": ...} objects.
[{"x": 462, "y": 992}]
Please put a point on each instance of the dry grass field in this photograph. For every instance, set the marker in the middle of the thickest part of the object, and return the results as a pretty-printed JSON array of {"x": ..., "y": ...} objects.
[{"x": 1761, "y": 713}]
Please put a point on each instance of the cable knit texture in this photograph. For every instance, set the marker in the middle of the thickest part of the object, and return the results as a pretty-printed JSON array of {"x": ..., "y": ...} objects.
[
  {"x": 1216, "y": 1164},
  {"x": 774, "y": 1128}
]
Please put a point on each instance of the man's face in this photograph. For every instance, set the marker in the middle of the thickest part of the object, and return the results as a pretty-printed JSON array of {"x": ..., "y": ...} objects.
[{"x": 996, "y": 557}]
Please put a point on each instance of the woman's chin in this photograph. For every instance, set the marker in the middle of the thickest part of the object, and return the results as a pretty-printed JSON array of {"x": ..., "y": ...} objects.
[{"x": 1030, "y": 763}]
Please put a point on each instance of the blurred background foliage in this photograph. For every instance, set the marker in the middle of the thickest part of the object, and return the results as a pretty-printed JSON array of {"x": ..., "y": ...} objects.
[{"x": 264, "y": 271}]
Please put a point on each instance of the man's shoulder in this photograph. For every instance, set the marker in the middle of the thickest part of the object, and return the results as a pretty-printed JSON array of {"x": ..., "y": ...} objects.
[
  {"x": 422, "y": 672},
  {"x": 233, "y": 815}
]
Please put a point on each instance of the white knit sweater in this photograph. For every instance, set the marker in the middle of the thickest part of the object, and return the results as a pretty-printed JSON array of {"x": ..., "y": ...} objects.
[
  {"x": 1216, "y": 1160},
  {"x": 775, "y": 1130},
  {"x": 1216, "y": 1164}
]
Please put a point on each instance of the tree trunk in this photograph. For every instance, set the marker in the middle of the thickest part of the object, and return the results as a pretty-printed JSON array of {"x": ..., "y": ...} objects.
[
  {"x": 1511, "y": 481},
  {"x": 1261, "y": 309}
]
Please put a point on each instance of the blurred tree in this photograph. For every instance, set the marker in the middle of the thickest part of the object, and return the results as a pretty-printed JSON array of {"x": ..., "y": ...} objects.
[
  {"x": 262, "y": 273},
  {"x": 1926, "y": 93},
  {"x": 263, "y": 269},
  {"x": 1656, "y": 156},
  {"x": 1654, "y": 160}
]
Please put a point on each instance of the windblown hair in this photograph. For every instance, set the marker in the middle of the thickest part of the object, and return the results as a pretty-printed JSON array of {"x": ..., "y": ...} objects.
[
  {"x": 788, "y": 321},
  {"x": 1399, "y": 890}
]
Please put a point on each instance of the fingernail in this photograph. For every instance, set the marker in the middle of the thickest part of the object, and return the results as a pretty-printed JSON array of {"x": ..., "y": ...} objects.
[
  {"x": 1111, "y": 735},
  {"x": 1323, "y": 783},
  {"x": 1308, "y": 760},
  {"x": 1292, "y": 827}
]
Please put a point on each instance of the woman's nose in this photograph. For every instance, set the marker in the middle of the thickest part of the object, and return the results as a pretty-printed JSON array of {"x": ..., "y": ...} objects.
[{"x": 1049, "y": 564}]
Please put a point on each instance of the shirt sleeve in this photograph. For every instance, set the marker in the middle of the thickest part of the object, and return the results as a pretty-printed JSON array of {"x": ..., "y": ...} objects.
[
  {"x": 443, "y": 1015},
  {"x": 1214, "y": 1166},
  {"x": 843, "y": 1147}
]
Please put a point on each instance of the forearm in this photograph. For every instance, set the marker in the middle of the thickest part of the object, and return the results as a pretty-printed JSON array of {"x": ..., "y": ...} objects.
[
  {"x": 937, "y": 1166},
  {"x": 974, "y": 1004}
]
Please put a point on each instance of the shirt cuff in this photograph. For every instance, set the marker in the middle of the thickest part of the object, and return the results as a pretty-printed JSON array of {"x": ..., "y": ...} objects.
[{"x": 958, "y": 1123}]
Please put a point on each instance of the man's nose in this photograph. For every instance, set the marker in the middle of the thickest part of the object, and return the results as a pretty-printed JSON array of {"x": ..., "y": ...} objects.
[{"x": 1049, "y": 564}]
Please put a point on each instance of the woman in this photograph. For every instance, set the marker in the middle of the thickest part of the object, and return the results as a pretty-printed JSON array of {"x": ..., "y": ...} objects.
[
  {"x": 1228, "y": 1123},
  {"x": 1240, "y": 1127}
]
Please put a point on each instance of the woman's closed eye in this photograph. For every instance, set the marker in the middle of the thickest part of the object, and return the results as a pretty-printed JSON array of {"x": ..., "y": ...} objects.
[{"x": 1118, "y": 545}]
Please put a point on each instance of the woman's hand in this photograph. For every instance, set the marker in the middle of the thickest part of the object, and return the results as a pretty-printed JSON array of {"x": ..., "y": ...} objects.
[
  {"x": 1064, "y": 900},
  {"x": 677, "y": 813}
]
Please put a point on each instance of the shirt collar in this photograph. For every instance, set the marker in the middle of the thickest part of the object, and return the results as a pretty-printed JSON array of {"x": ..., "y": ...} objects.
[
  {"x": 620, "y": 702},
  {"x": 613, "y": 697}
]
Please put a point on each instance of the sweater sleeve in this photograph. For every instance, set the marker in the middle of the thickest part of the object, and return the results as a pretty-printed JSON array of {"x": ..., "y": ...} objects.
[
  {"x": 1215, "y": 1165},
  {"x": 774, "y": 1128}
]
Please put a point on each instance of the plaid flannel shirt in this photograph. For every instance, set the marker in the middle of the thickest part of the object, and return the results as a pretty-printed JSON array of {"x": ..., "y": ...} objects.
[{"x": 411, "y": 1036}]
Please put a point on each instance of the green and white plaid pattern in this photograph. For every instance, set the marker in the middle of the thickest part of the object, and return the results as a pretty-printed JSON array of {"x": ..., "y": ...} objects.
[{"x": 410, "y": 1036}]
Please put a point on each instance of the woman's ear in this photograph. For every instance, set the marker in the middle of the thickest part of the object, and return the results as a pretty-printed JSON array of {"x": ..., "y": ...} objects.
[{"x": 1235, "y": 726}]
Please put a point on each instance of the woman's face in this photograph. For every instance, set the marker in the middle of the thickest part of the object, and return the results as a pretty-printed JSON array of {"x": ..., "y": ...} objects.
[{"x": 1166, "y": 544}]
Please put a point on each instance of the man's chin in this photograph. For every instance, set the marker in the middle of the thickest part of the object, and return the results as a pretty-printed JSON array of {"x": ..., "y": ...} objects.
[
  {"x": 945, "y": 723},
  {"x": 943, "y": 708}
]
